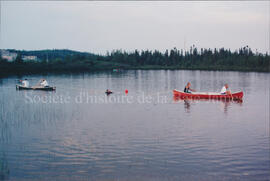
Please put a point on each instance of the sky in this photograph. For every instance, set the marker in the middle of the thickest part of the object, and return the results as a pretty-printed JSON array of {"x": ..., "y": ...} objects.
[{"x": 99, "y": 27}]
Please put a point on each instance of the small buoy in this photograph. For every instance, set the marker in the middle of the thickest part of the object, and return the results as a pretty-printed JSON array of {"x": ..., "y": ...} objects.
[{"x": 126, "y": 91}]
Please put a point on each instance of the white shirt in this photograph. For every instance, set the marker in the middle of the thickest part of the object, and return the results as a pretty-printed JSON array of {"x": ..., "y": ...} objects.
[
  {"x": 223, "y": 90},
  {"x": 44, "y": 83},
  {"x": 25, "y": 83}
]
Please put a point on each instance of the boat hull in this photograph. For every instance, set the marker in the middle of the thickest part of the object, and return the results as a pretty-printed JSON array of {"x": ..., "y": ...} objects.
[
  {"x": 19, "y": 87},
  {"x": 183, "y": 95}
]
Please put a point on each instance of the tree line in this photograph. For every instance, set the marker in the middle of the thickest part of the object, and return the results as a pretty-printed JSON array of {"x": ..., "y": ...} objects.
[
  {"x": 194, "y": 58},
  {"x": 243, "y": 59}
]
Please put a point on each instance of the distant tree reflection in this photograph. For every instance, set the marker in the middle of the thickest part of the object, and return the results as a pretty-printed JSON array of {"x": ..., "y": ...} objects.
[{"x": 4, "y": 169}]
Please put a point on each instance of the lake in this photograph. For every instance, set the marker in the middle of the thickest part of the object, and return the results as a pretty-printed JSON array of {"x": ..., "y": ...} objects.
[{"x": 79, "y": 133}]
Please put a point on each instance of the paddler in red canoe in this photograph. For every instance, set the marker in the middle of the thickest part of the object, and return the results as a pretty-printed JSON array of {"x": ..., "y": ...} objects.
[
  {"x": 188, "y": 89},
  {"x": 225, "y": 90}
]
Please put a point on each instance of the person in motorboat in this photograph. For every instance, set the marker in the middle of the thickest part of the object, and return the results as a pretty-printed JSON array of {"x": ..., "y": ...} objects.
[
  {"x": 25, "y": 83},
  {"x": 44, "y": 83},
  {"x": 188, "y": 89},
  {"x": 225, "y": 90}
]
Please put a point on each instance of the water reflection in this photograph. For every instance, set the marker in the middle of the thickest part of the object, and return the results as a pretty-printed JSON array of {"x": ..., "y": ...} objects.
[
  {"x": 5, "y": 132},
  {"x": 5, "y": 137},
  {"x": 226, "y": 103},
  {"x": 187, "y": 105},
  {"x": 4, "y": 168}
]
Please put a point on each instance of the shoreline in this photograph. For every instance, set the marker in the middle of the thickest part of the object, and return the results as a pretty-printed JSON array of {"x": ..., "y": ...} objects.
[{"x": 8, "y": 73}]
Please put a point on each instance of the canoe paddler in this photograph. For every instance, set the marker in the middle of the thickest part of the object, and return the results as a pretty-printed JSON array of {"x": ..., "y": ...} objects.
[
  {"x": 44, "y": 83},
  {"x": 25, "y": 83},
  {"x": 188, "y": 89},
  {"x": 225, "y": 90}
]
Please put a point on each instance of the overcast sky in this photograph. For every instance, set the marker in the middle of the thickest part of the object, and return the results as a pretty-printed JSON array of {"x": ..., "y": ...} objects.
[{"x": 103, "y": 26}]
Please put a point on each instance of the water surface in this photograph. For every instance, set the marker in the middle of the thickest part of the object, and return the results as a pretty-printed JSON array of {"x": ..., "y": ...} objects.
[{"x": 78, "y": 133}]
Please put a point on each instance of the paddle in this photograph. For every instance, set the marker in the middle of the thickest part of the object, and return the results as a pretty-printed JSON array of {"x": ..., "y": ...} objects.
[{"x": 231, "y": 95}]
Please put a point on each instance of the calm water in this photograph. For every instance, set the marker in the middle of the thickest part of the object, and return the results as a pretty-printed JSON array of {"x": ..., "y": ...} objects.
[{"x": 78, "y": 133}]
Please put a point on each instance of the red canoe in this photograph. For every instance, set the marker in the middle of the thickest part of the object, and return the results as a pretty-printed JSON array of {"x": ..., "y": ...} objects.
[{"x": 207, "y": 95}]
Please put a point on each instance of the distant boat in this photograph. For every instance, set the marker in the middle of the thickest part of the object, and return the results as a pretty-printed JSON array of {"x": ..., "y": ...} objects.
[
  {"x": 20, "y": 87},
  {"x": 108, "y": 92}
]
